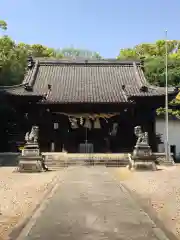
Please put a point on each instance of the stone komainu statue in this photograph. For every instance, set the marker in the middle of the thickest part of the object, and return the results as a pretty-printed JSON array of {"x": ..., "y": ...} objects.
[
  {"x": 142, "y": 136},
  {"x": 32, "y": 137}
]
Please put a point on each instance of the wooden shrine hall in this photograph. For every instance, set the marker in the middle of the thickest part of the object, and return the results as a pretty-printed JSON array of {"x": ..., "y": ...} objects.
[{"x": 81, "y": 106}]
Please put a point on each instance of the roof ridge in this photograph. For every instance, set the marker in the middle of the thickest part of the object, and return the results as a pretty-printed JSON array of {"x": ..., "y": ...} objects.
[
  {"x": 137, "y": 76},
  {"x": 87, "y": 61},
  {"x": 29, "y": 82}
]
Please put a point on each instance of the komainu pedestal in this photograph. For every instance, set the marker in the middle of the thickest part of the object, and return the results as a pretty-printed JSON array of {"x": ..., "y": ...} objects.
[
  {"x": 142, "y": 155},
  {"x": 30, "y": 159}
]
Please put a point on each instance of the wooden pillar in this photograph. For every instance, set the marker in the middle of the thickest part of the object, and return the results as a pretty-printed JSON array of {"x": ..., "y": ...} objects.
[
  {"x": 152, "y": 130},
  {"x": 45, "y": 131}
]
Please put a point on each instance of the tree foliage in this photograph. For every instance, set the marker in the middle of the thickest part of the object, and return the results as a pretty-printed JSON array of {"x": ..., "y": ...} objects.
[
  {"x": 76, "y": 52},
  {"x": 153, "y": 56},
  {"x": 13, "y": 58},
  {"x": 3, "y": 25},
  {"x": 12, "y": 62}
]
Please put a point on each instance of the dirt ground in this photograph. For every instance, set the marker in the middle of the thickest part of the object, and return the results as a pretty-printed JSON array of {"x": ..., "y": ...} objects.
[
  {"x": 19, "y": 195},
  {"x": 91, "y": 206},
  {"x": 160, "y": 189}
]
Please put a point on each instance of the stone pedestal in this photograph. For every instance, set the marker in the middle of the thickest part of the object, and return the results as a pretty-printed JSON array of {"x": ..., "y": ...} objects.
[
  {"x": 30, "y": 159},
  {"x": 142, "y": 150},
  {"x": 142, "y": 157}
]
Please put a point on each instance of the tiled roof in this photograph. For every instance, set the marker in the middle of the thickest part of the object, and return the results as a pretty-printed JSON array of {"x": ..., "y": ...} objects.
[{"x": 91, "y": 81}]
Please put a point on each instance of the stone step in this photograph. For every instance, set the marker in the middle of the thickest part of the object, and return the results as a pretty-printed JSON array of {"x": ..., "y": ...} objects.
[
  {"x": 55, "y": 161},
  {"x": 161, "y": 159},
  {"x": 55, "y": 165},
  {"x": 80, "y": 160},
  {"x": 166, "y": 163}
]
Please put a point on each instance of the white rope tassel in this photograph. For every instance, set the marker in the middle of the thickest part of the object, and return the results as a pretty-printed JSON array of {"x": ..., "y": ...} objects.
[
  {"x": 87, "y": 123},
  {"x": 81, "y": 121},
  {"x": 73, "y": 122},
  {"x": 97, "y": 124}
]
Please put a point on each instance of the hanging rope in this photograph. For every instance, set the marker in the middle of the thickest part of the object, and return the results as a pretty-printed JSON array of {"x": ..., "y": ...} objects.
[{"x": 90, "y": 116}]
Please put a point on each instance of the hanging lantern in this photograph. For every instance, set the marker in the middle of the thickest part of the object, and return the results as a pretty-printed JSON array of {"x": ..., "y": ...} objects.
[
  {"x": 97, "y": 124},
  {"x": 56, "y": 125},
  {"x": 87, "y": 123}
]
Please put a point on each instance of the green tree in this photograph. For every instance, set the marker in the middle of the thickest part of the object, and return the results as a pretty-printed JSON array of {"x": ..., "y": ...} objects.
[
  {"x": 76, "y": 52},
  {"x": 3, "y": 25},
  {"x": 154, "y": 61},
  {"x": 38, "y": 50},
  {"x": 154, "y": 64},
  {"x": 147, "y": 50},
  {"x": 155, "y": 71},
  {"x": 13, "y": 58},
  {"x": 128, "y": 53},
  {"x": 12, "y": 62}
]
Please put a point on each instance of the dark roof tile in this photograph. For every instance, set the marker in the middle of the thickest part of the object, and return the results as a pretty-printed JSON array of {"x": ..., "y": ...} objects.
[{"x": 90, "y": 82}]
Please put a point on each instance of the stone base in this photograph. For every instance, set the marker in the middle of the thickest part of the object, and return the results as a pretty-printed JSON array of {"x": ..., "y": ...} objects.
[
  {"x": 142, "y": 163},
  {"x": 31, "y": 150},
  {"x": 143, "y": 166},
  {"x": 30, "y": 160},
  {"x": 142, "y": 151},
  {"x": 30, "y": 166}
]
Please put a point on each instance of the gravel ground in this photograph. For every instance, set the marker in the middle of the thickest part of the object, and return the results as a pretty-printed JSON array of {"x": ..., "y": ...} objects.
[
  {"x": 159, "y": 189},
  {"x": 19, "y": 195}
]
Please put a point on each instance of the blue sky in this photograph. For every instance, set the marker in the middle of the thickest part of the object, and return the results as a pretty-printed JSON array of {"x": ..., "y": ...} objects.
[{"x": 104, "y": 26}]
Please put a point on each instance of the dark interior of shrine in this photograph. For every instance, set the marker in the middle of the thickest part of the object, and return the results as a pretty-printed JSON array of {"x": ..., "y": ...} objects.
[
  {"x": 65, "y": 137},
  {"x": 103, "y": 139}
]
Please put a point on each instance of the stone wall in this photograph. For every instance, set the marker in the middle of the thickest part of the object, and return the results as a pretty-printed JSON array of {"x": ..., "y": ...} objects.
[{"x": 9, "y": 159}]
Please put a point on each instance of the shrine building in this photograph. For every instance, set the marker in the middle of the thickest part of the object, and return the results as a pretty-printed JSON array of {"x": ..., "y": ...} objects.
[{"x": 77, "y": 102}]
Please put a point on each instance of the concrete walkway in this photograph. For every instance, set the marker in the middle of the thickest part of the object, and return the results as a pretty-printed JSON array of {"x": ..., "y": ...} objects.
[{"x": 90, "y": 205}]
